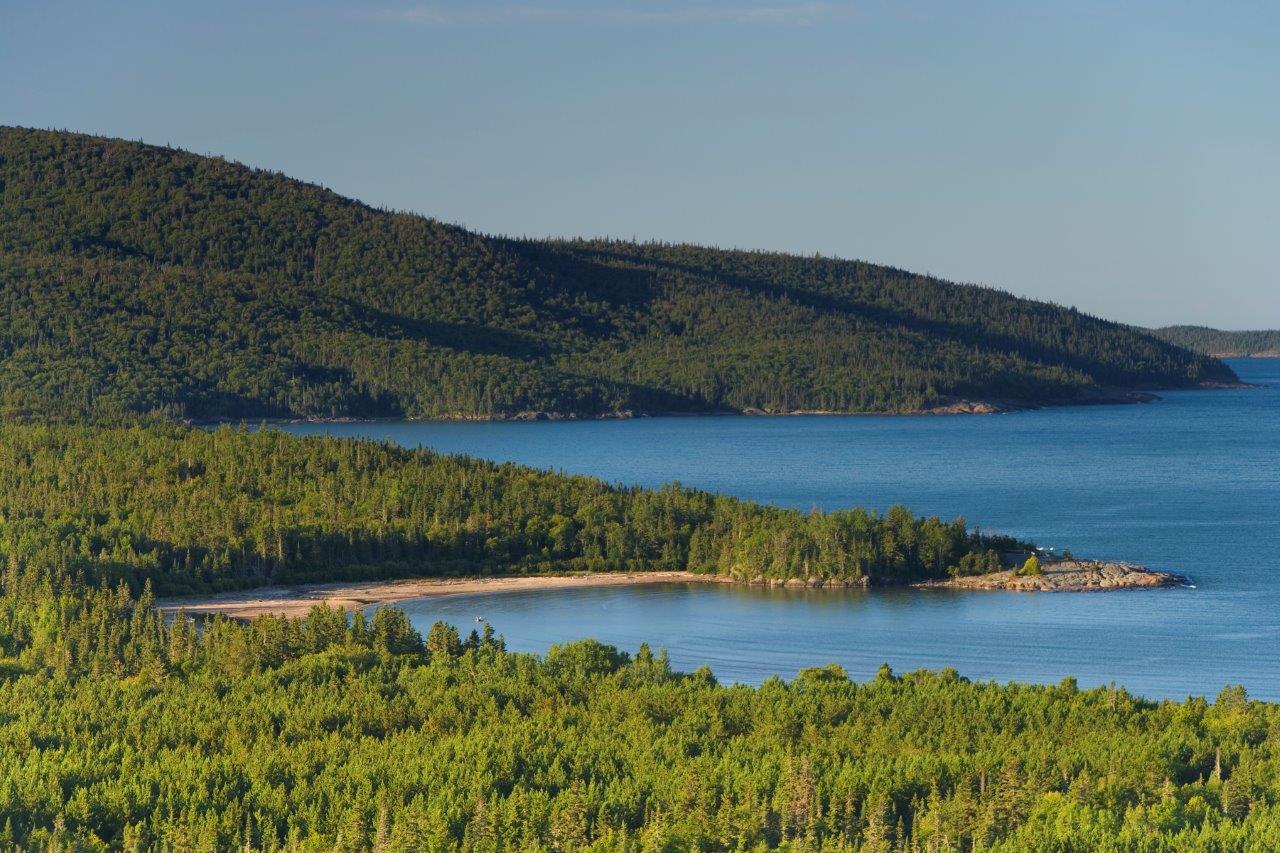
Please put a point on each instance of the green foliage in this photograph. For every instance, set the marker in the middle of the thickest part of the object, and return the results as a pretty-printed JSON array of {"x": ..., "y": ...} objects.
[
  {"x": 139, "y": 279},
  {"x": 322, "y": 735},
  {"x": 201, "y": 510},
  {"x": 1031, "y": 567},
  {"x": 1219, "y": 343}
]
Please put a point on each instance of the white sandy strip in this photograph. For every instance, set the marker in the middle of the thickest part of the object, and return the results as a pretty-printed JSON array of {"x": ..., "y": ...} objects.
[{"x": 298, "y": 600}]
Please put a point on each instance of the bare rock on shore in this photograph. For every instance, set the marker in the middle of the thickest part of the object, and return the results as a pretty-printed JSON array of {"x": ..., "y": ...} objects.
[
  {"x": 970, "y": 407},
  {"x": 812, "y": 582},
  {"x": 1069, "y": 576}
]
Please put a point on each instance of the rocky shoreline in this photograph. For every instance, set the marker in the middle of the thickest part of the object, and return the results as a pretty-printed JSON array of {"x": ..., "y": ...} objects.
[
  {"x": 1058, "y": 576},
  {"x": 1067, "y": 576}
]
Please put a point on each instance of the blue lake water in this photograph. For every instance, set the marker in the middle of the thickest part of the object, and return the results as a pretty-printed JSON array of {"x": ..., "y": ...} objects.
[{"x": 1190, "y": 483}]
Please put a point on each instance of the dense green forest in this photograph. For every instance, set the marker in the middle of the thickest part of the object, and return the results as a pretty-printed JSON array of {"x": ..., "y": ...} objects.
[
  {"x": 142, "y": 279},
  {"x": 119, "y": 731},
  {"x": 1217, "y": 343},
  {"x": 193, "y": 510},
  {"x": 141, "y": 284}
]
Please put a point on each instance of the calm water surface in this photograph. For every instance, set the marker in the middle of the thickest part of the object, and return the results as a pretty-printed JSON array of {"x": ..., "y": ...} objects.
[{"x": 1191, "y": 483}]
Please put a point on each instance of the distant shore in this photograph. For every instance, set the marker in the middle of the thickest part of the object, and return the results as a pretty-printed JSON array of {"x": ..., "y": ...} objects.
[
  {"x": 296, "y": 601},
  {"x": 1101, "y": 397}
]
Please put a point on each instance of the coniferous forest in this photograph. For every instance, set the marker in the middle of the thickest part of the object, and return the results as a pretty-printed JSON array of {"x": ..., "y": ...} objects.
[
  {"x": 143, "y": 279},
  {"x": 339, "y": 732},
  {"x": 142, "y": 286},
  {"x": 189, "y": 510},
  {"x": 1223, "y": 344}
]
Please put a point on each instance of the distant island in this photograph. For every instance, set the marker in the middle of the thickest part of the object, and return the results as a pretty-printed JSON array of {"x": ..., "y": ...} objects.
[
  {"x": 1219, "y": 344},
  {"x": 142, "y": 279}
]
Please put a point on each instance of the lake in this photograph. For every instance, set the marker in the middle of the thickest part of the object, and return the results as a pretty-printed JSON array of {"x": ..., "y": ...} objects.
[{"x": 1190, "y": 483}]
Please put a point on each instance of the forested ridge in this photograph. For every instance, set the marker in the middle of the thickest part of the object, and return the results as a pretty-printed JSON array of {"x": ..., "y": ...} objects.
[
  {"x": 192, "y": 510},
  {"x": 135, "y": 278},
  {"x": 1217, "y": 342}
]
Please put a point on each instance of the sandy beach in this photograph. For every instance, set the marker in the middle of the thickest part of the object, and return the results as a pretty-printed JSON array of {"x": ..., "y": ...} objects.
[{"x": 297, "y": 600}]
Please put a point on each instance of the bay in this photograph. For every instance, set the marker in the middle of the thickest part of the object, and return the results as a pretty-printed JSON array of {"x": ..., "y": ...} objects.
[{"x": 1190, "y": 483}]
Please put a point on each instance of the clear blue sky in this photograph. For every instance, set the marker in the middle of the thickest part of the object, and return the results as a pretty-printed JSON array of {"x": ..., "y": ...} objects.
[{"x": 1123, "y": 160}]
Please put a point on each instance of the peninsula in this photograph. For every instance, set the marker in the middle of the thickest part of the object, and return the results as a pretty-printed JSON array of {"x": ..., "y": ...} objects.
[{"x": 192, "y": 512}]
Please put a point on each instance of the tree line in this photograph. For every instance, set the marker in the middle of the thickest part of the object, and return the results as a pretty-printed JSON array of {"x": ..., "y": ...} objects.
[
  {"x": 1222, "y": 343},
  {"x": 194, "y": 510}
]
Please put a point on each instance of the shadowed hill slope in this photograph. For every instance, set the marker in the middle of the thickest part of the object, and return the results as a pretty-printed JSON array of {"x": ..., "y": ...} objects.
[{"x": 135, "y": 278}]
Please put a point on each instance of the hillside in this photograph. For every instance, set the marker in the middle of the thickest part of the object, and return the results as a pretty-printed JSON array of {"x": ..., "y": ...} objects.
[
  {"x": 192, "y": 510},
  {"x": 135, "y": 278},
  {"x": 1220, "y": 344}
]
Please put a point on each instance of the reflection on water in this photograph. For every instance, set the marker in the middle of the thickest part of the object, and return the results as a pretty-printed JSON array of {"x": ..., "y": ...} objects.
[{"x": 749, "y": 633}]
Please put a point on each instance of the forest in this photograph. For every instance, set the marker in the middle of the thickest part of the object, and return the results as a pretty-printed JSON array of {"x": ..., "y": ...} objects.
[
  {"x": 141, "y": 279},
  {"x": 192, "y": 510},
  {"x": 121, "y": 729},
  {"x": 1220, "y": 344},
  {"x": 343, "y": 733},
  {"x": 141, "y": 287}
]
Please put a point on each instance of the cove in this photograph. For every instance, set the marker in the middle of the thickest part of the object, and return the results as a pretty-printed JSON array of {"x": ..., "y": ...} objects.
[{"x": 1190, "y": 483}]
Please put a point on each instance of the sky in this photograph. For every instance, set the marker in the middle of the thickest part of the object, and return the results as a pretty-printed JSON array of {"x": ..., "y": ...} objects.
[{"x": 1123, "y": 158}]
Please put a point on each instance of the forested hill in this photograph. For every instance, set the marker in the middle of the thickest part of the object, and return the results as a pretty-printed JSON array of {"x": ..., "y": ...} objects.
[
  {"x": 1220, "y": 344},
  {"x": 135, "y": 279},
  {"x": 191, "y": 510}
]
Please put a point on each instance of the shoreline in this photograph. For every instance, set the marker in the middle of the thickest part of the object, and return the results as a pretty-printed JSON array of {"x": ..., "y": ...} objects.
[
  {"x": 297, "y": 600},
  {"x": 1105, "y": 397},
  {"x": 1068, "y": 576}
]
